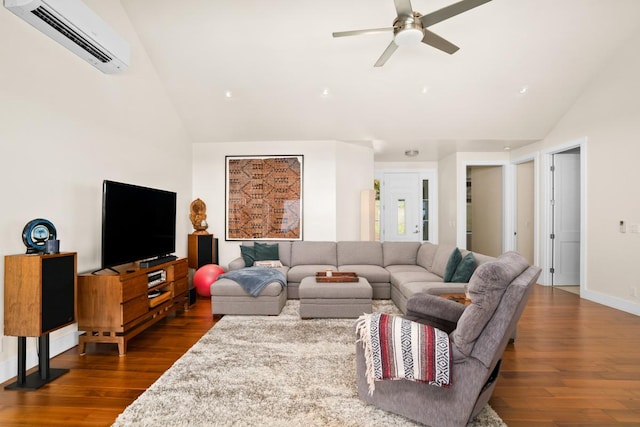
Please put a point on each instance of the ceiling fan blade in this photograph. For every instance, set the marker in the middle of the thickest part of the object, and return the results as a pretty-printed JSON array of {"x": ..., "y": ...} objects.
[
  {"x": 386, "y": 54},
  {"x": 361, "y": 32},
  {"x": 403, "y": 7},
  {"x": 432, "y": 39},
  {"x": 450, "y": 11}
]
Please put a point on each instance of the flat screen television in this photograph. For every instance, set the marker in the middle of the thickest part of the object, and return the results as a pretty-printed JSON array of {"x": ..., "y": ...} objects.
[{"x": 138, "y": 223}]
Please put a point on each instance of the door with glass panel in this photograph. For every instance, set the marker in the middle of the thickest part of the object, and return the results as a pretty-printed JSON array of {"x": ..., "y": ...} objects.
[{"x": 402, "y": 207}]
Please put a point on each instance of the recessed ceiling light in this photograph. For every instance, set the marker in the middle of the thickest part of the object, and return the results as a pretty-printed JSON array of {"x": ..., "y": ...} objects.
[
  {"x": 228, "y": 94},
  {"x": 425, "y": 90},
  {"x": 524, "y": 89},
  {"x": 411, "y": 153},
  {"x": 325, "y": 92}
]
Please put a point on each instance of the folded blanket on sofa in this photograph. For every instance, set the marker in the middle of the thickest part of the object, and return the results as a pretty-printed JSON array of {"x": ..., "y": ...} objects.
[
  {"x": 255, "y": 279},
  {"x": 396, "y": 348}
]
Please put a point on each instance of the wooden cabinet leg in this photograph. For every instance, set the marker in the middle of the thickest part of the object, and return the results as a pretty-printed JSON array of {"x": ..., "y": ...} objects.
[{"x": 122, "y": 346}]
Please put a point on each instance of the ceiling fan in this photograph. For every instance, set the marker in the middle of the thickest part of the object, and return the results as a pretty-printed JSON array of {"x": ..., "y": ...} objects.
[{"x": 410, "y": 27}]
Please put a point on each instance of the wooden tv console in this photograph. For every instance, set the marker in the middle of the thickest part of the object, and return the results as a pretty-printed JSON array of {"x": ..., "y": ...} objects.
[{"x": 115, "y": 307}]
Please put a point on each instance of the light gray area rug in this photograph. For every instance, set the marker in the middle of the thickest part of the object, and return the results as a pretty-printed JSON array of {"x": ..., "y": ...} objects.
[{"x": 268, "y": 371}]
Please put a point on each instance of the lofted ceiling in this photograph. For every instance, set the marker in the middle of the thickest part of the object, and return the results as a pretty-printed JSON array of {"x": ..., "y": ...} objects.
[{"x": 257, "y": 70}]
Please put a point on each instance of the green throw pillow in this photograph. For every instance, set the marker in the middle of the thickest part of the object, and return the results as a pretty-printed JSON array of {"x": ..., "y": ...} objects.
[
  {"x": 465, "y": 269},
  {"x": 248, "y": 254},
  {"x": 452, "y": 264},
  {"x": 266, "y": 252}
]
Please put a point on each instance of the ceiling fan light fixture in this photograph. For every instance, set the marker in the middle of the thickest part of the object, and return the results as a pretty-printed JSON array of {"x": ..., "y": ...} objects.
[{"x": 409, "y": 36}]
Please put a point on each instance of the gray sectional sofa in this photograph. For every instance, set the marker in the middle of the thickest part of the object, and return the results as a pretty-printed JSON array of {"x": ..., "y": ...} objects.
[{"x": 395, "y": 270}]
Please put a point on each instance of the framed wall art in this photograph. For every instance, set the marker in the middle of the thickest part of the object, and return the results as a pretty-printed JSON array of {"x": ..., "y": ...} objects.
[{"x": 264, "y": 197}]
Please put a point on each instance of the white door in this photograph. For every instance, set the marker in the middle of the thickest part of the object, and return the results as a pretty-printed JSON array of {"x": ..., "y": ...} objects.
[
  {"x": 402, "y": 206},
  {"x": 566, "y": 219}
]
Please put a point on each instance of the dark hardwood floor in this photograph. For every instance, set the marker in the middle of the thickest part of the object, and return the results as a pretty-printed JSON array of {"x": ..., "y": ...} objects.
[
  {"x": 574, "y": 363},
  {"x": 101, "y": 384}
]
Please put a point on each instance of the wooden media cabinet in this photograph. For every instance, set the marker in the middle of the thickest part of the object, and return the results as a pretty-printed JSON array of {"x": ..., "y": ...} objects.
[{"x": 115, "y": 306}]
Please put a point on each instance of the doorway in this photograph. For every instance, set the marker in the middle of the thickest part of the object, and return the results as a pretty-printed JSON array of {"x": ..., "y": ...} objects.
[
  {"x": 401, "y": 209},
  {"x": 407, "y": 208},
  {"x": 485, "y": 210},
  {"x": 525, "y": 211}
]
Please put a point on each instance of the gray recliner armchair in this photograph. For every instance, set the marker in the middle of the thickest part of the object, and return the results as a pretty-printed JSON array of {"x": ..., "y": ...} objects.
[{"x": 479, "y": 334}]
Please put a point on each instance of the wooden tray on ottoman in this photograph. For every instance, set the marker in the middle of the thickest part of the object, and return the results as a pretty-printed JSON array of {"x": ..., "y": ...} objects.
[{"x": 337, "y": 276}]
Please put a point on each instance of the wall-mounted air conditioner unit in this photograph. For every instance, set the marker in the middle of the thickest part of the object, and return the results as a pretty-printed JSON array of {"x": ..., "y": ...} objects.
[{"x": 72, "y": 24}]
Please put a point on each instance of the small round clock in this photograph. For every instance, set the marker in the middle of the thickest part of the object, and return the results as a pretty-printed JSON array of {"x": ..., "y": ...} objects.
[{"x": 36, "y": 234}]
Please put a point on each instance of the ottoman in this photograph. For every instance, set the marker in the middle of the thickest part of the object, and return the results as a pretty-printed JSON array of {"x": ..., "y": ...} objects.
[
  {"x": 334, "y": 299},
  {"x": 228, "y": 297}
]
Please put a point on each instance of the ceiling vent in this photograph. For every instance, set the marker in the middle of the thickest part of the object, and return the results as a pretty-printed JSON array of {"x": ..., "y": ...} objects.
[{"x": 72, "y": 24}]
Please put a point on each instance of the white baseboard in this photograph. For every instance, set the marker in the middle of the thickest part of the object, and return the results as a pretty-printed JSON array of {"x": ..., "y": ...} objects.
[
  {"x": 613, "y": 302},
  {"x": 57, "y": 345}
]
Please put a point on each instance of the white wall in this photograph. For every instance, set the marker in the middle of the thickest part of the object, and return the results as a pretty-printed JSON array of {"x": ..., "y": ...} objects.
[
  {"x": 448, "y": 199},
  {"x": 354, "y": 173},
  {"x": 64, "y": 128},
  {"x": 325, "y": 206},
  {"x": 608, "y": 115},
  {"x": 413, "y": 166}
]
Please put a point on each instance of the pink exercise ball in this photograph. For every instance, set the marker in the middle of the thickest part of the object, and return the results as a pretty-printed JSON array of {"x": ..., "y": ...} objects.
[{"x": 204, "y": 277}]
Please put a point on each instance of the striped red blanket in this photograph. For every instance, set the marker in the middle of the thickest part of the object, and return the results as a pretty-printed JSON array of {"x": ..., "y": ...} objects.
[{"x": 397, "y": 348}]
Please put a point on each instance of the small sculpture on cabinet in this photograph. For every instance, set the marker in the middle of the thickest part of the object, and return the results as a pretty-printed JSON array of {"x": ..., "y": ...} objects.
[{"x": 198, "y": 216}]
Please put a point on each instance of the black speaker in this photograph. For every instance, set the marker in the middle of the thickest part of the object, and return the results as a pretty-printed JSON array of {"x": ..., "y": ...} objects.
[
  {"x": 58, "y": 292},
  {"x": 203, "y": 250}
]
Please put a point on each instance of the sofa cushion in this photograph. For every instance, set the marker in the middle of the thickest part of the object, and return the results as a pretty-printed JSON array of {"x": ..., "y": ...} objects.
[
  {"x": 259, "y": 252},
  {"x": 441, "y": 258},
  {"x": 452, "y": 264},
  {"x": 401, "y": 277},
  {"x": 486, "y": 287},
  {"x": 409, "y": 289},
  {"x": 299, "y": 272},
  {"x": 228, "y": 287},
  {"x": 359, "y": 253},
  {"x": 404, "y": 267},
  {"x": 426, "y": 253},
  {"x": 465, "y": 269},
  {"x": 400, "y": 253},
  {"x": 481, "y": 259},
  {"x": 373, "y": 273},
  {"x": 314, "y": 253},
  {"x": 266, "y": 252},
  {"x": 284, "y": 251},
  {"x": 248, "y": 255}
]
